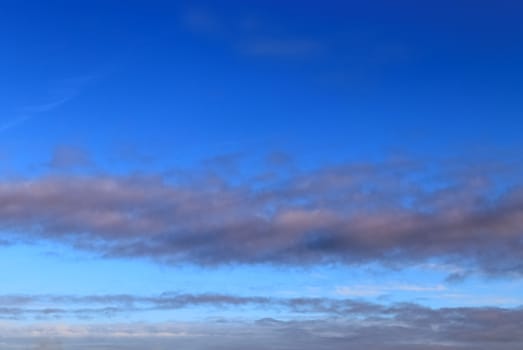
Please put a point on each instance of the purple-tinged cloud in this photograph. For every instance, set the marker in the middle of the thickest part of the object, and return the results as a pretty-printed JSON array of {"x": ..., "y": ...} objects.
[
  {"x": 69, "y": 157},
  {"x": 392, "y": 213}
]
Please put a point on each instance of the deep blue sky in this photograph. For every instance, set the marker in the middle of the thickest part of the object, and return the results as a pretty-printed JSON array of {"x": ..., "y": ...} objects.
[
  {"x": 366, "y": 152},
  {"x": 213, "y": 77}
]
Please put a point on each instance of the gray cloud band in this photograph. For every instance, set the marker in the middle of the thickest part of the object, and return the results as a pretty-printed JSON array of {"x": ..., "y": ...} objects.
[{"x": 336, "y": 322}]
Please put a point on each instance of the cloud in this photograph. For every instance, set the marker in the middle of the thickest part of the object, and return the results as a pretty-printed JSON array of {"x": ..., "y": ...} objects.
[
  {"x": 250, "y": 36},
  {"x": 68, "y": 90},
  {"x": 87, "y": 306},
  {"x": 375, "y": 290},
  {"x": 394, "y": 213},
  {"x": 325, "y": 324},
  {"x": 69, "y": 157},
  {"x": 283, "y": 47},
  {"x": 48, "y": 106},
  {"x": 13, "y": 123},
  {"x": 201, "y": 21}
]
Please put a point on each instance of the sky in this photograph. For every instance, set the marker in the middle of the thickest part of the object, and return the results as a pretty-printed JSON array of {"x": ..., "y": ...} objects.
[{"x": 261, "y": 174}]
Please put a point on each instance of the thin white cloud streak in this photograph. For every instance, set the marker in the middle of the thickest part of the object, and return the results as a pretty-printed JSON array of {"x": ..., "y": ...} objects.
[
  {"x": 31, "y": 111},
  {"x": 49, "y": 106},
  {"x": 13, "y": 123}
]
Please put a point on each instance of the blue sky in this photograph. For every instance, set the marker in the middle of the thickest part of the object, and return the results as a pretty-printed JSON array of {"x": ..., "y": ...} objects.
[{"x": 170, "y": 171}]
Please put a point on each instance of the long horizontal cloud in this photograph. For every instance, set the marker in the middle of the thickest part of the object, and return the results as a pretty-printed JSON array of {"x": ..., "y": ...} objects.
[
  {"x": 395, "y": 212},
  {"x": 326, "y": 324},
  {"x": 59, "y": 306}
]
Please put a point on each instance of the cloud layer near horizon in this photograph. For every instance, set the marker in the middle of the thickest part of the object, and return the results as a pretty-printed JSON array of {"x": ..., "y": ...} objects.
[
  {"x": 391, "y": 213},
  {"x": 323, "y": 324}
]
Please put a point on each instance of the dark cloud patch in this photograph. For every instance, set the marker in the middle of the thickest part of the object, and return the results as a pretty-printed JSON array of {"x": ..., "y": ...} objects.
[{"x": 394, "y": 213}]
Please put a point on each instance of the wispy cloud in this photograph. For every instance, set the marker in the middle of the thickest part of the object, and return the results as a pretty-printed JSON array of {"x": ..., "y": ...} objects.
[
  {"x": 30, "y": 111},
  {"x": 13, "y": 123},
  {"x": 278, "y": 47},
  {"x": 326, "y": 324},
  {"x": 201, "y": 21},
  {"x": 47, "y": 106},
  {"x": 250, "y": 36},
  {"x": 68, "y": 90},
  {"x": 376, "y": 290},
  {"x": 69, "y": 157}
]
